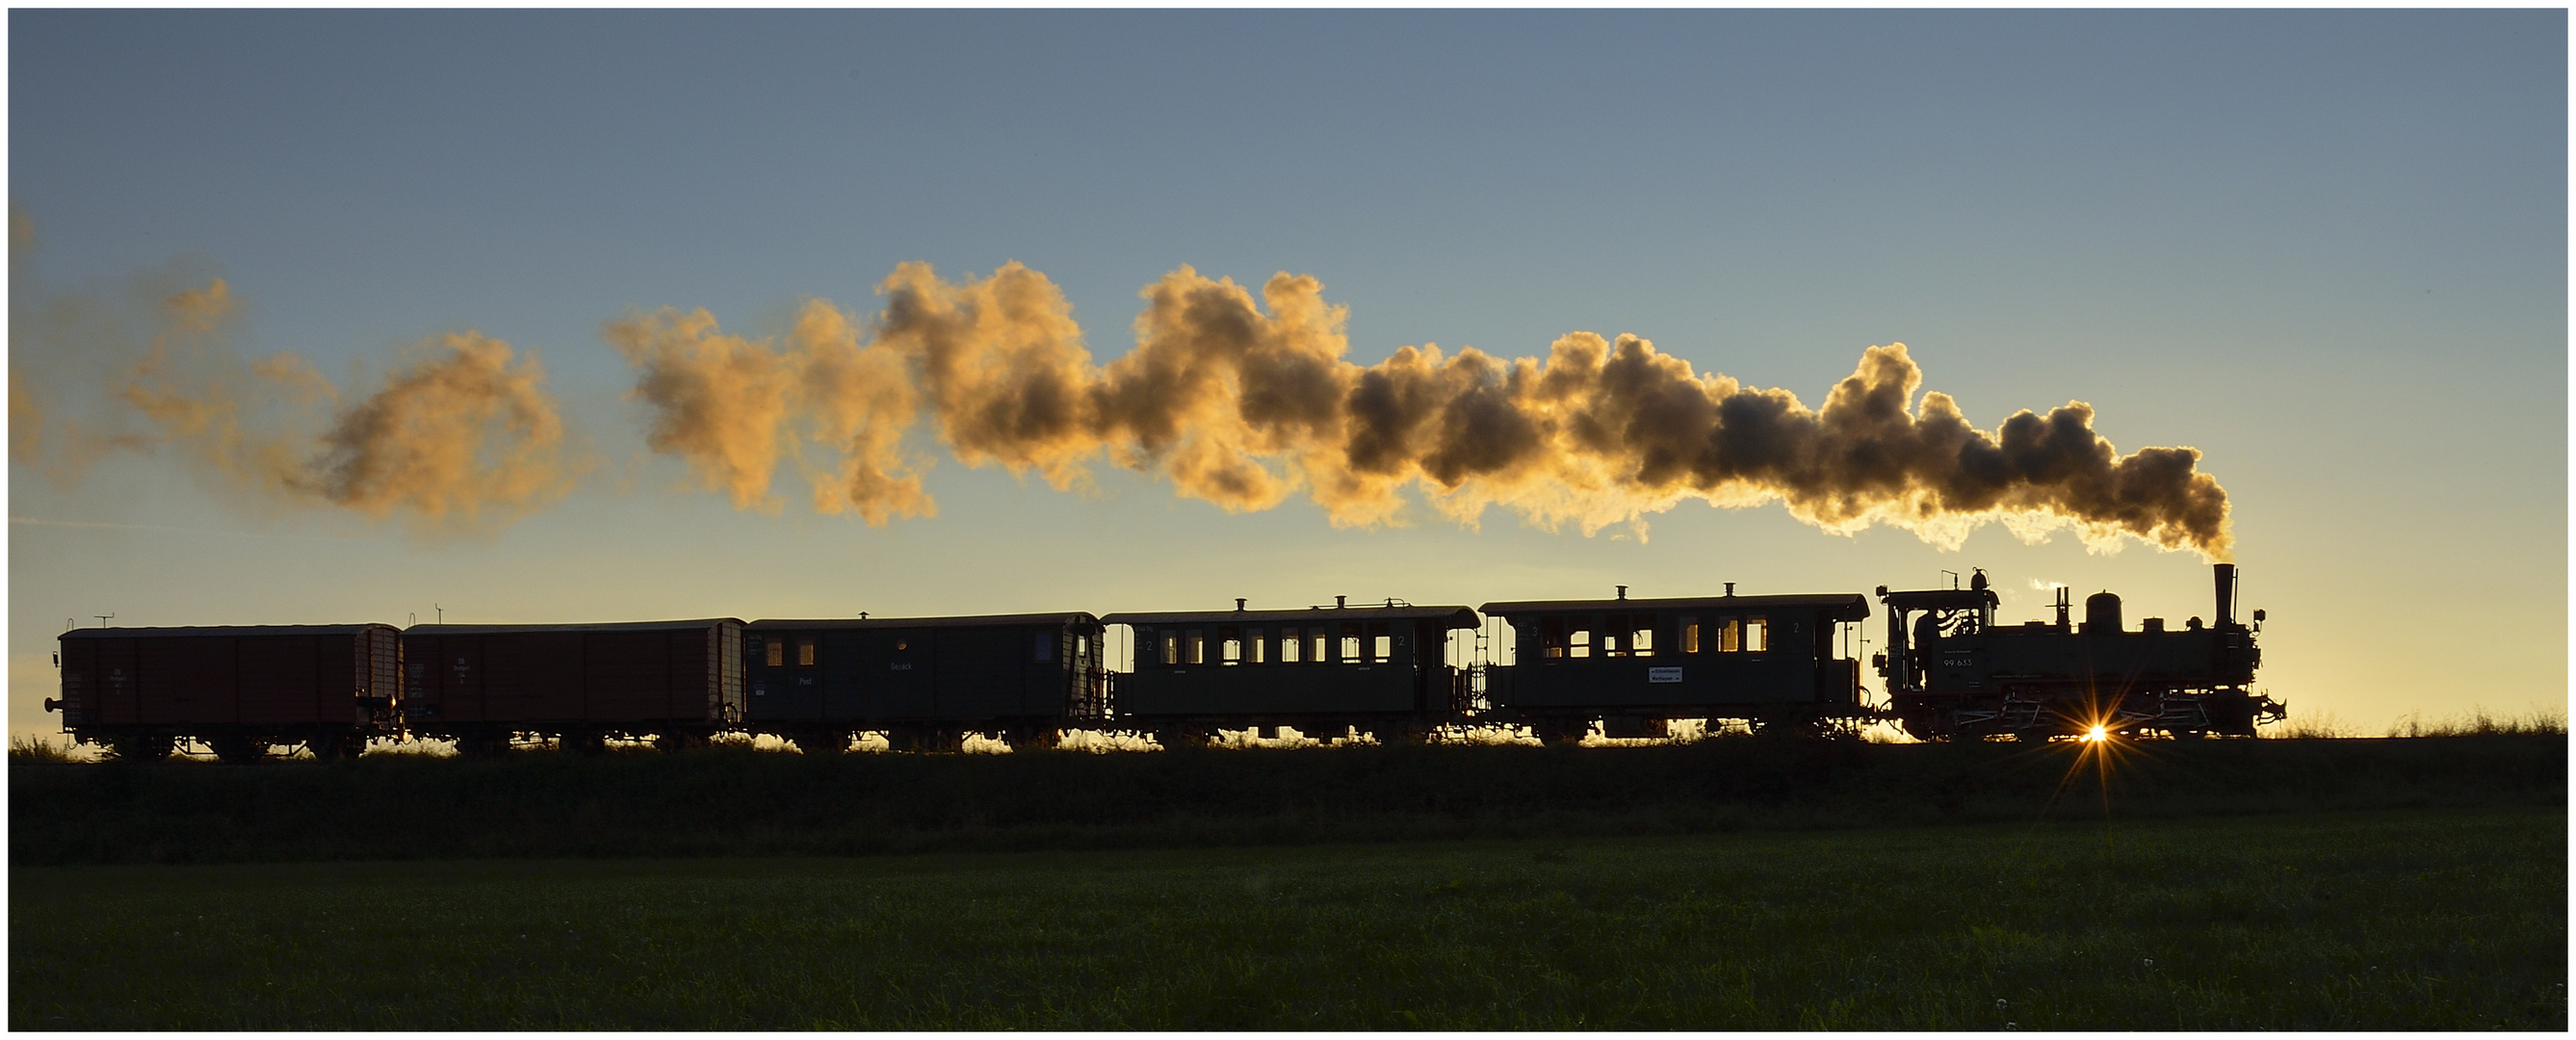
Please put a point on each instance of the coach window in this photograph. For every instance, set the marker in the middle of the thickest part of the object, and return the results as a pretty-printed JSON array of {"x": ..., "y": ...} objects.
[
  {"x": 1578, "y": 642},
  {"x": 1381, "y": 642},
  {"x": 1641, "y": 635},
  {"x": 1229, "y": 643},
  {"x": 1171, "y": 647},
  {"x": 1288, "y": 646},
  {"x": 1198, "y": 647},
  {"x": 1551, "y": 634},
  {"x": 1757, "y": 636},
  {"x": 1315, "y": 640},
  {"x": 1260, "y": 639},
  {"x": 804, "y": 652},
  {"x": 777, "y": 654},
  {"x": 1350, "y": 643},
  {"x": 1729, "y": 636},
  {"x": 1046, "y": 647},
  {"x": 1612, "y": 627},
  {"x": 1690, "y": 634}
]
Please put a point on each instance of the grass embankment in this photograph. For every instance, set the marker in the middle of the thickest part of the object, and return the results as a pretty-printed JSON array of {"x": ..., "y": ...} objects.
[
  {"x": 740, "y": 802},
  {"x": 2421, "y": 919}
]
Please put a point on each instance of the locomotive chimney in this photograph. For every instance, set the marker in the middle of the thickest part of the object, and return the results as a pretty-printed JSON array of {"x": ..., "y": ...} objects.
[{"x": 2226, "y": 575}]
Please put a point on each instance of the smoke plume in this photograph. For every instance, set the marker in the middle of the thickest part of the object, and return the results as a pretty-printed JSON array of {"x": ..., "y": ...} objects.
[
  {"x": 729, "y": 406},
  {"x": 461, "y": 437},
  {"x": 1244, "y": 402}
]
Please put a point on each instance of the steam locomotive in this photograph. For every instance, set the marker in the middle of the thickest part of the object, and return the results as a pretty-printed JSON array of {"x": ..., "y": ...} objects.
[
  {"x": 1394, "y": 672},
  {"x": 1952, "y": 672}
]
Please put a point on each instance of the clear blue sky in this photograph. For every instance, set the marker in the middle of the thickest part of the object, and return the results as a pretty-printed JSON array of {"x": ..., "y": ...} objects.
[{"x": 2329, "y": 249}]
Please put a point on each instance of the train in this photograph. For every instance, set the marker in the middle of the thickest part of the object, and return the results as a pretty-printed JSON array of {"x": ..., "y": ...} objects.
[{"x": 1389, "y": 672}]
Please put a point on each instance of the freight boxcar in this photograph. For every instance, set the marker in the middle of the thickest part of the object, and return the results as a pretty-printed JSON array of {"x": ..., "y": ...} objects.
[
  {"x": 925, "y": 682},
  {"x": 485, "y": 685},
  {"x": 1325, "y": 671},
  {"x": 1634, "y": 664},
  {"x": 240, "y": 690}
]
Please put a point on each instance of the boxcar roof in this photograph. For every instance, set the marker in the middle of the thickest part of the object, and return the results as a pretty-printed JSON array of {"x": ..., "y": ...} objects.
[
  {"x": 1072, "y": 617},
  {"x": 222, "y": 630},
  {"x": 1458, "y": 617},
  {"x": 613, "y": 626},
  {"x": 1851, "y": 606}
]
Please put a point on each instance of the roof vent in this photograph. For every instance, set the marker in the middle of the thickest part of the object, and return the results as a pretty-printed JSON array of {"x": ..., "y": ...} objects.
[
  {"x": 1730, "y": 588},
  {"x": 1337, "y": 602},
  {"x": 1623, "y": 592},
  {"x": 1238, "y": 604}
]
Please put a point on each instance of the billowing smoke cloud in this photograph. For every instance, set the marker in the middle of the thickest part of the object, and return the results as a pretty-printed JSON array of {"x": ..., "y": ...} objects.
[
  {"x": 1243, "y": 403},
  {"x": 460, "y": 437},
  {"x": 726, "y": 404},
  {"x": 465, "y": 434}
]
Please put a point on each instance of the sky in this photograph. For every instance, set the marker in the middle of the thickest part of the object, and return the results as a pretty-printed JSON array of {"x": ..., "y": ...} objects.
[{"x": 2328, "y": 250}]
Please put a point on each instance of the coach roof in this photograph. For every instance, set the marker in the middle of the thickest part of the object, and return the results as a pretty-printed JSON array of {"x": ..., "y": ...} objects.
[
  {"x": 1075, "y": 618},
  {"x": 1850, "y": 606},
  {"x": 1457, "y": 617}
]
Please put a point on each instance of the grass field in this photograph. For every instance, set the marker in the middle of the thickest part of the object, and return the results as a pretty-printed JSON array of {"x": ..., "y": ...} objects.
[
  {"x": 732, "y": 802},
  {"x": 2415, "y": 919}
]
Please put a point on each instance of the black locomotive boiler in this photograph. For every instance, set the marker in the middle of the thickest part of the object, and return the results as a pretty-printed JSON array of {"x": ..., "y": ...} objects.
[{"x": 1953, "y": 673}]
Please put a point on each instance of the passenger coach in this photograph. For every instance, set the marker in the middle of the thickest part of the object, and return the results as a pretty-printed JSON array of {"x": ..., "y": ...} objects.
[
  {"x": 1323, "y": 671},
  {"x": 1633, "y": 664}
]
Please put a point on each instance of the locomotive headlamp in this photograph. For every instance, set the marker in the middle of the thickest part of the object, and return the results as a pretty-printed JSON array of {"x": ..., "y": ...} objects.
[{"x": 2096, "y": 735}]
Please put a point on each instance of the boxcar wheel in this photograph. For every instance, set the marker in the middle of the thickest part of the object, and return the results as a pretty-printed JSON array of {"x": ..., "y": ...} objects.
[
  {"x": 821, "y": 742},
  {"x": 674, "y": 743},
  {"x": 238, "y": 749},
  {"x": 142, "y": 747}
]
